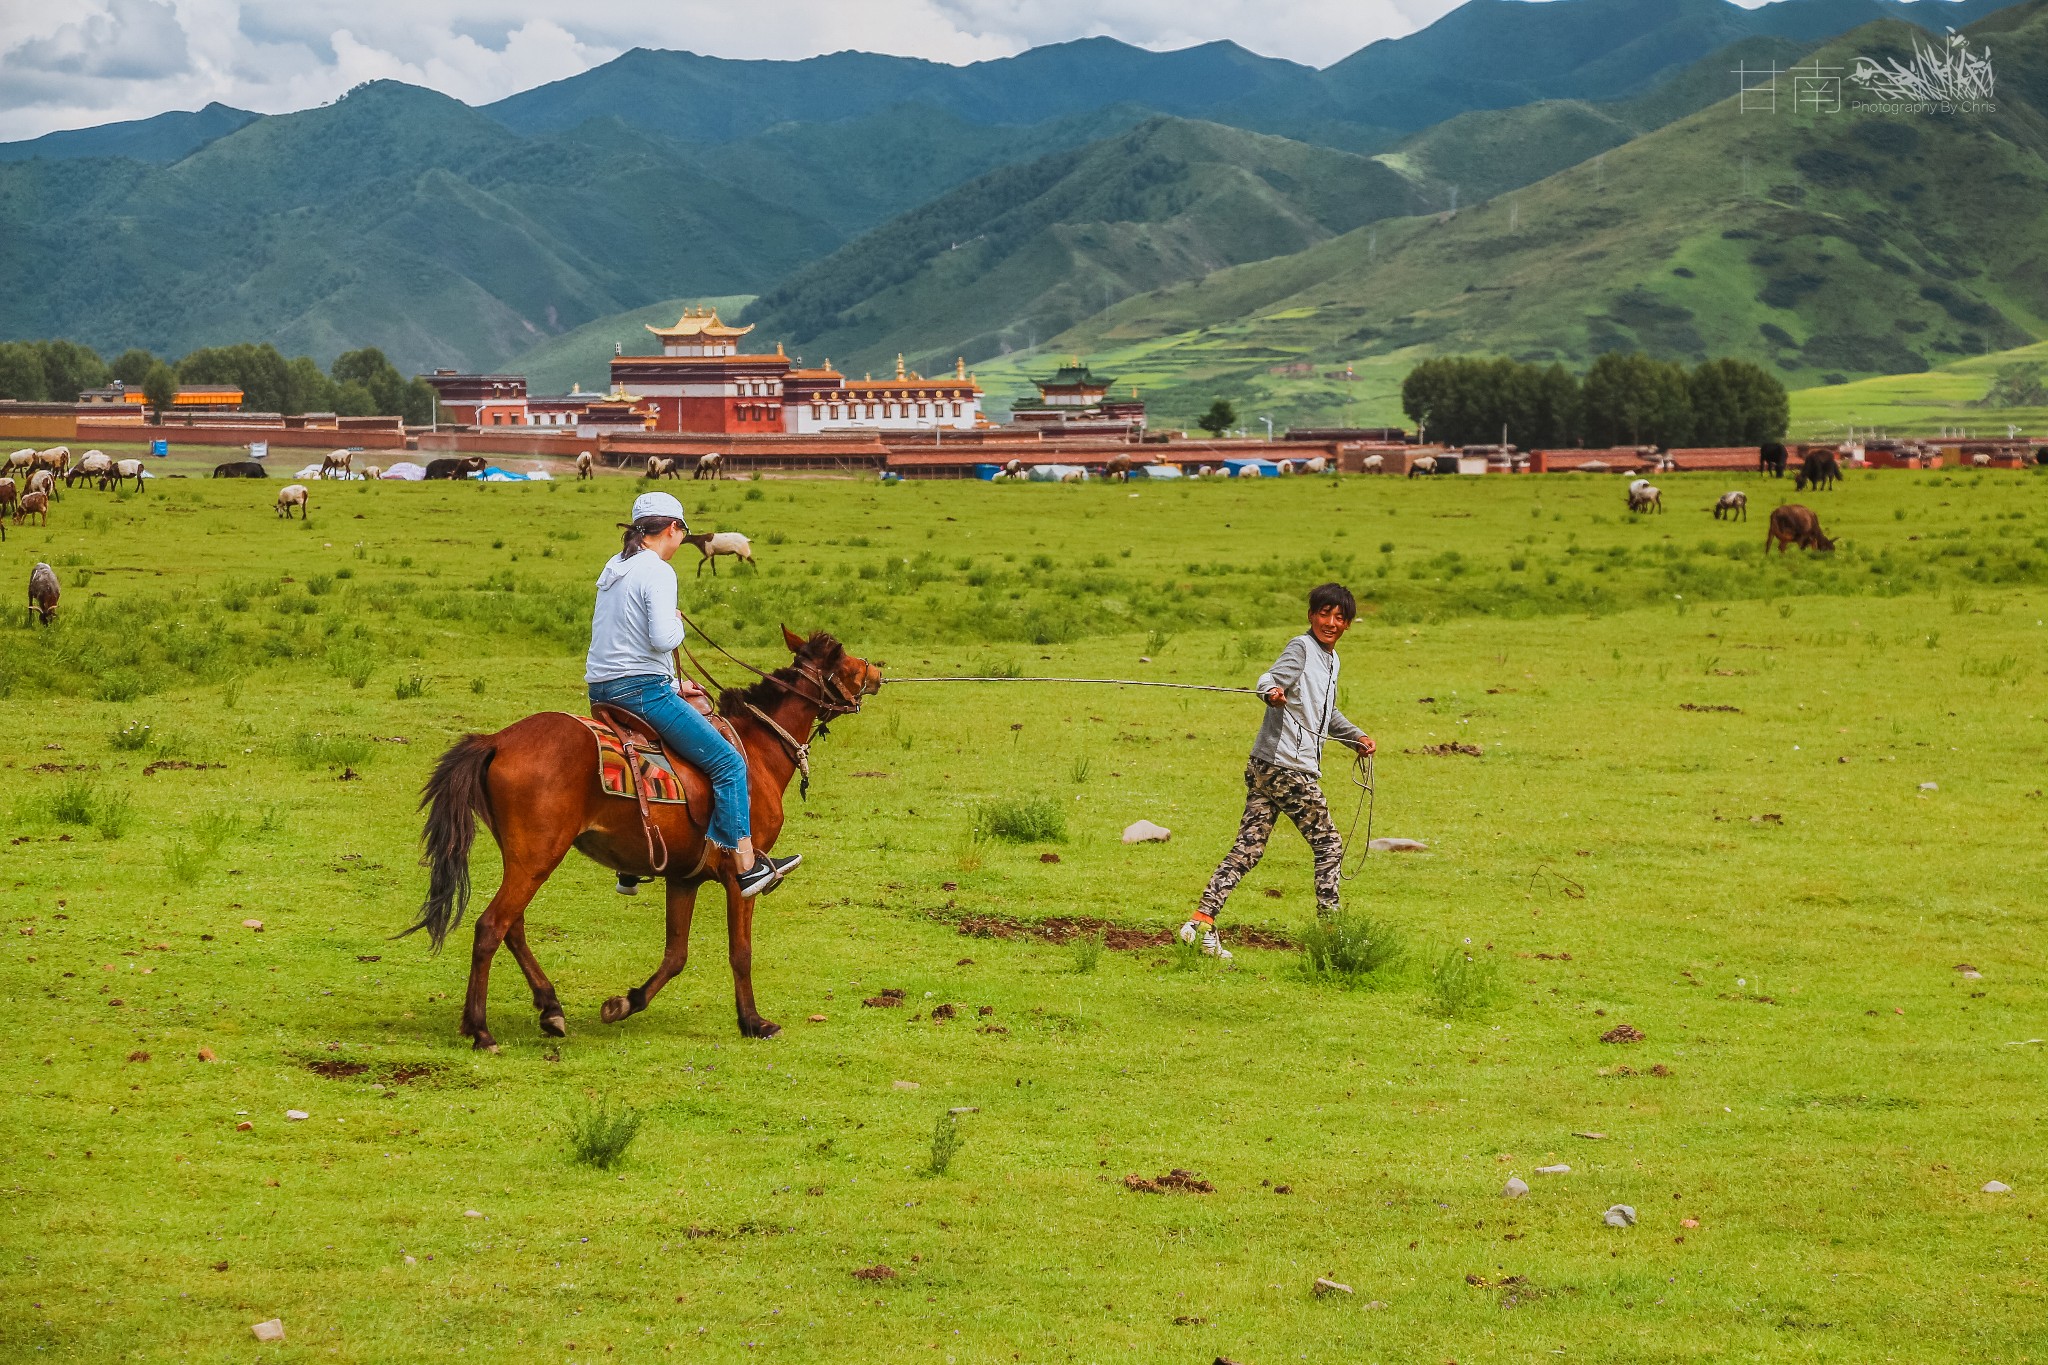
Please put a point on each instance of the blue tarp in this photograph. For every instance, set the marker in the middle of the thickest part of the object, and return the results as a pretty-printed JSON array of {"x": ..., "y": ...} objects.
[
  {"x": 987, "y": 471},
  {"x": 497, "y": 475},
  {"x": 1252, "y": 469}
]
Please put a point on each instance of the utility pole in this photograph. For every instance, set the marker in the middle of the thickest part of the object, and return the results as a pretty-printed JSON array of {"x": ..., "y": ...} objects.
[{"x": 1269, "y": 429}]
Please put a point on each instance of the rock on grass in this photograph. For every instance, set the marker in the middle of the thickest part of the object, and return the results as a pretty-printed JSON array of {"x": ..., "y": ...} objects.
[{"x": 271, "y": 1329}]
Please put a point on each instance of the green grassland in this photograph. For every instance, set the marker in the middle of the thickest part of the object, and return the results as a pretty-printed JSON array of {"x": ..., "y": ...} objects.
[
  {"x": 1768, "y": 893},
  {"x": 1950, "y": 398}
]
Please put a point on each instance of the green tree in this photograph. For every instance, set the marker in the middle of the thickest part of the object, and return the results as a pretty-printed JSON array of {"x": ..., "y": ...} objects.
[
  {"x": 1630, "y": 399},
  {"x": 1553, "y": 408},
  {"x": 1736, "y": 403},
  {"x": 308, "y": 389},
  {"x": 132, "y": 366},
  {"x": 419, "y": 403},
  {"x": 369, "y": 368},
  {"x": 160, "y": 386},
  {"x": 1221, "y": 417},
  {"x": 69, "y": 369},
  {"x": 354, "y": 399},
  {"x": 21, "y": 373}
]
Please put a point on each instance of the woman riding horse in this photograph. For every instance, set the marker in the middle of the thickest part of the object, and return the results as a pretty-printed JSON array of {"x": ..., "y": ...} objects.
[{"x": 634, "y": 633}]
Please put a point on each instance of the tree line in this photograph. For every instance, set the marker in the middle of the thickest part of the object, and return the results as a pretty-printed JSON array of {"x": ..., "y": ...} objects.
[
  {"x": 360, "y": 383},
  {"x": 1625, "y": 399}
]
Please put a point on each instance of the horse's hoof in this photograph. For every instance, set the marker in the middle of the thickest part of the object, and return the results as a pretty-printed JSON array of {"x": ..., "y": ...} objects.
[
  {"x": 553, "y": 1025},
  {"x": 484, "y": 1043},
  {"x": 615, "y": 1009},
  {"x": 760, "y": 1028}
]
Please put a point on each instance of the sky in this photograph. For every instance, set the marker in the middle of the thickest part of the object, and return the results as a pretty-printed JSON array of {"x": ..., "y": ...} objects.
[{"x": 75, "y": 63}]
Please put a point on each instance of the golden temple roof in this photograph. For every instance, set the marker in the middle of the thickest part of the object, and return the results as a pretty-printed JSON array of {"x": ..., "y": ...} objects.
[{"x": 698, "y": 322}]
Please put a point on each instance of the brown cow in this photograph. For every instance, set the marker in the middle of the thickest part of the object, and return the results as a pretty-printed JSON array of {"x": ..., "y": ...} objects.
[{"x": 1795, "y": 525}]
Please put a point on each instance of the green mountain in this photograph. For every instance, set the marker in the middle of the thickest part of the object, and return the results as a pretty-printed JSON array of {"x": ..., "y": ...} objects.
[
  {"x": 1017, "y": 255},
  {"x": 395, "y": 217},
  {"x": 711, "y": 99},
  {"x": 161, "y": 139},
  {"x": 1824, "y": 244},
  {"x": 1482, "y": 153}
]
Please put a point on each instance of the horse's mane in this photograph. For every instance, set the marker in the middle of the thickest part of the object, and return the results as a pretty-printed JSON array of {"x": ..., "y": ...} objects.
[{"x": 821, "y": 649}]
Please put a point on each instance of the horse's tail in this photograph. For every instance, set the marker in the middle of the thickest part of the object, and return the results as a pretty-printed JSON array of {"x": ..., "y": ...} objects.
[{"x": 453, "y": 797}]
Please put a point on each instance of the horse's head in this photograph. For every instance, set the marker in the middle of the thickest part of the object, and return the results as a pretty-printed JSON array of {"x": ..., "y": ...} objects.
[{"x": 842, "y": 679}]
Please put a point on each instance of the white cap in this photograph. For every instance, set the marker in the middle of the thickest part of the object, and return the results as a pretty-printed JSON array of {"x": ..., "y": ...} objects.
[{"x": 658, "y": 505}]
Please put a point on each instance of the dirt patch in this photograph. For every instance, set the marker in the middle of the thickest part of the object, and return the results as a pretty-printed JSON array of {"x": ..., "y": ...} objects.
[
  {"x": 874, "y": 1272},
  {"x": 177, "y": 764},
  {"x": 64, "y": 768},
  {"x": 1120, "y": 938},
  {"x": 1703, "y": 706},
  {"x": 1173, "y": 1182},
  {"x": 887, "y": 1000},
  {"x": 389, "y": 1073},
  {"x": 1448, "y": 749},
  {"x": 1623, "y": 1033}
]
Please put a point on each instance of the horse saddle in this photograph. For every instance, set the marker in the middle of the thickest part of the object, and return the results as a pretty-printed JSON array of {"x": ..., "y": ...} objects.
[{"x": 632, "y": 762}]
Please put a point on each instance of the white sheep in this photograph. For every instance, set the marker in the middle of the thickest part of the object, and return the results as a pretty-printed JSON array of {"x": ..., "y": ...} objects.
[
  {"x": 1645, "y": 497},
  {"x": 712, "y": 544},
  {"x": 1981, "y": 460},
  {"x": 372, "y": 472},
  {"x": 290, "y": 496},
  {"x": 585, "y": 465},
  {"x": 1422, "y": 464},
  {"x": 1733, "y": 505},
  {"x": 336, "y": 461},
  {"x": 1373, "y": 464}
]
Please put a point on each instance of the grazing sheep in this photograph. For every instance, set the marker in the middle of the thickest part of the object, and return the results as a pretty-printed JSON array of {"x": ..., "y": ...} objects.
[
  {"x": 93, "y": 465},
  {"x": 585, "y": 466},
  {"x": 1733, "y": 506},
  {"x": 336, "y": 462},
  {"x": 56, "y": 459},
  {"x": 32, "y": 505},
  {"x": 711, "y": 466},
  {"x": 657, "y": 466},
  {"x": 42, "y": 481},
  {"x": 124, "y": 469},
  {"x": 20, "y": 462},
  {"x": 1981, "y": 460},
  {"x": 1117, "y": 469},
  {"x": 1373, "y": 464},
  {"x": 1422, "y": 464},
  {"x": 1315, "y": 465},
  {"x": 1637, "y": 485},
  {"x": 1643, "y": 497},
  {"x": 43, "y": 592},
  {"x": 1205, "y": 471},
  {"x": 290, "y": 496},
  {"x": 712, "y": 544},
  {"x": 1795, "y": 525},
  {"x": 372, "y": 473},
  {"x": 1015, "y": 469}
]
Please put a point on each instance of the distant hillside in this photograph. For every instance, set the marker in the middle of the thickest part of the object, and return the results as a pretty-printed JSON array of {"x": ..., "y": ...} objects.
[
  {"x": 1027, "y": 251},
  {"x": 583, "y": 356},
  {"x": 161, "y": 140},
  {"x": 395, "y": 217},
  {"x": 1820, "y": 244},
  {"x": 1951, "y": 397},
  {"x": 711, "y": 99}
]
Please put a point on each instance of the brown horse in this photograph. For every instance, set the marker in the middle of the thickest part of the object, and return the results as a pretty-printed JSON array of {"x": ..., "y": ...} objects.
[{"x": 537, "y": 787}]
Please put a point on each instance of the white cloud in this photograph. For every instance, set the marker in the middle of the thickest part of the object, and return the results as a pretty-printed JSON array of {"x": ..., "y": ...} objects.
[{"x": 71, "y": 63}]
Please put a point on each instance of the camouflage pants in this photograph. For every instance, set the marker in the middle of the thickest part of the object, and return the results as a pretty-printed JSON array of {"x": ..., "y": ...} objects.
[{"x": 1270, "y": 791}]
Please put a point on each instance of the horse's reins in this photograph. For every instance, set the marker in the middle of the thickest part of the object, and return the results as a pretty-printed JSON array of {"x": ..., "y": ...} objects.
[{"x": 828, "y": 708}]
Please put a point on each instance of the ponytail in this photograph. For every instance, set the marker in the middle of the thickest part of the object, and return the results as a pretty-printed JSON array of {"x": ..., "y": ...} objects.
[{"x": 636, "y": 533}]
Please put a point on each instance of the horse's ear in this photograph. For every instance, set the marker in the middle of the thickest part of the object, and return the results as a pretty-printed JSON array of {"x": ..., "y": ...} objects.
[{"x": 793, "y": 640}]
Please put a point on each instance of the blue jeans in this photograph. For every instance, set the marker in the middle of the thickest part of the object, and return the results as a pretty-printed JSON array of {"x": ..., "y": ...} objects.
[{"x": 695, "y": 740}]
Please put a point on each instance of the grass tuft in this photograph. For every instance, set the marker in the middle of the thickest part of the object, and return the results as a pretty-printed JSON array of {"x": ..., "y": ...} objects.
[
  {"x": 946, "y": 1143},
  {"x": 1022, "y": 820},
  {"x": 1351, "y": 951},
  {"x": 598, "y": 1136},
  {"x": 1086, "y": 950},
  {"x": 131, "y": 738},
  {"x": 1461, "y": 983}
]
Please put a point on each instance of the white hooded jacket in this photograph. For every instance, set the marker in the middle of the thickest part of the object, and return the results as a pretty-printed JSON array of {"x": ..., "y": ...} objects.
[{"x": 634, "y": 629}]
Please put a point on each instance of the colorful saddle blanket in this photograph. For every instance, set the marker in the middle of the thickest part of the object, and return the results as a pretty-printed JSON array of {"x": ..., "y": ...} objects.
[{"x": 656, "y": 773}]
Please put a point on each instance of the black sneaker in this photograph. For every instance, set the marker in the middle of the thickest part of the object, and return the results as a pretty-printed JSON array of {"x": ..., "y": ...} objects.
[
  {"x": 629, "y": 885},
  {"x": 767, "y": 873}
]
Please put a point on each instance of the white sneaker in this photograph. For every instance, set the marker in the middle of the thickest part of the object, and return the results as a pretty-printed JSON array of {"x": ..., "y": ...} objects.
[{"x": 1212, "y": 944}]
